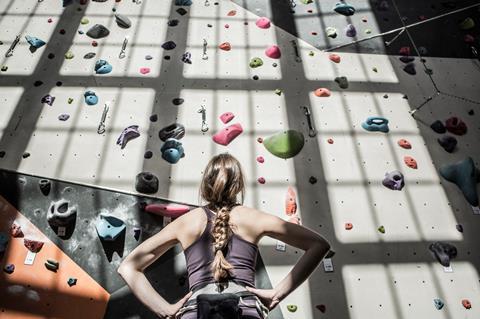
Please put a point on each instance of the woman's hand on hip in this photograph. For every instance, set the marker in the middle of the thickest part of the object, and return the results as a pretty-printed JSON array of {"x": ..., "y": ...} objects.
[
  {"x": 170, "y": 310},
  {"x": 267, "y": 296}
]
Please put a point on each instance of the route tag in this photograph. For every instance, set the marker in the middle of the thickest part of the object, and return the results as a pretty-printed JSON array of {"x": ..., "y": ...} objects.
[
  {"x": 328, "y": 265},
  {"x": 61, "y": 231},
  {"x": 281, "y": 246},
  {"x": 30, "y": 258}
]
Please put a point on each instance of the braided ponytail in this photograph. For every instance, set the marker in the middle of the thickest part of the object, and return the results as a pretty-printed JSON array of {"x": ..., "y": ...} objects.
[{"x": 221, "y": 234}]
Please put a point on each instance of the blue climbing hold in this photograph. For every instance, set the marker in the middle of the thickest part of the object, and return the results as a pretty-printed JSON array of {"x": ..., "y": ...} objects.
[
  {"x": 172, "y": 150},
  {"x": 90, "y": 98},
  {"x": 183, "y": 2},
  {"x": 102, "y": 67},
  {"x": 35, "y": 42},
  {"x": 344, "y": 9},
  {"x": 465, "y": 175},
  {"x": 375, "y": 123},
  {"x": 438, "y": 303},
  {"x": 109, "y": 227}
]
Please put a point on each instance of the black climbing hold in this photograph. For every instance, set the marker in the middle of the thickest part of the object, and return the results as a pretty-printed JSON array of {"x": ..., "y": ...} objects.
[
  {"x": 209, "y": 25},
  {"x": 51, "y": 56},
  {"x": 407, "y": 59},
  {"x": 45, "y": 186},
  {"x": 173, "y": 23},
  {"x": 61, "y": 213},
  {"x": 405, "y": 97},
  {"x": 274, "y": 64},
  {"x": 89, "y": 55},
  {"x": 148, "y": 154},
  {"x": 175, "y": 130},
  {"x": 167, "y": 57},
  {"x": 169, "y": 45},
  {"x": 178, "y": 101},
  {"x": 443, "y": 252},
  {"x": 471, "y": 112},
  {"x": 255, "y": 77},
  {"x": 154, "y": 118},
  {"x": 123, "y": 21},
  {"x": 59, "y": 83},
  {"x": 459, "y": 228},
  {"x": 98, "y": 31},
  {"x": 2, "y": 154},
  {"x": 312, "y": 180},
  {"x": 410, "y": 69},
  {"x": 181, "y": 11},
  {"x": 438, "y": 127},
  {"x": 26, "y": 154},
  {"x": 136, "y": 233},
  {"x": 448, "y": 143},
  {"x": 146, "y": 183},
  {"x": 72, "y": 281},
  {"x": 37, "y": 83}
]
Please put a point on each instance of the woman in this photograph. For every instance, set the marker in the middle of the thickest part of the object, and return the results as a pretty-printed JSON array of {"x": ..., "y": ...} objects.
[{"x": 220, "y": 246}]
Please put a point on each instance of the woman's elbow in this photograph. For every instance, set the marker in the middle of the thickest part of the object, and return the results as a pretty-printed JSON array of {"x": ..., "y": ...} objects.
[{"x": 322, "y": 246}]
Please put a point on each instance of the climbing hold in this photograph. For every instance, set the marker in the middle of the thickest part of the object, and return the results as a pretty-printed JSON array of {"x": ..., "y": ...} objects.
[
  {"x": 263, "y": 23},
  {"x": 228, "y": 134},
  {"x": 344, "y": 9},
  {"x": 183, "y": 2},
  {"x": 465, "y": 175},
  {"x": 33, "y": 245},
  {"x": 137, "y": 232},
  {"x": 225, "y": 46},
  {"x": 350, "y": 31},
  {"x": 123, "y": 21},
  {"x": 290, "y": 202},
  {"x": 261, "y": 180},
  {"x": 45, "y": 186},
  {"x": 375, "y": 123},
  {"x": 181, "y": 11},
  {"x": 175, "y": 130},
  {"x": 16, "y": 230},
  {"x": 167, "y": 210},
  {"x": 260, "y": 140},
  {"x": 232, "y": 13},
  {"x": 144, "y": 70},
  {"x": 374, "y": 69},
  {"x": 334, "y": 57},
  {"x": 321, "y": 308},
  {"x": 331, "y": 32},
  {"x": 173, "y": 23},
  {"x": 322, "y": 92},
  {"x": 403, "y": 143},
  {"x": 467, "y": 24},
  {"x": 128, "y": 134},
  {"x": 471, "y": 112},
  {"x": 330, "y": 141},
  {"x": 394, "y": 180},
  {"x": 285, "y": 144},
  {"x": 438, "y": 127},
  {"x": 148, "y": 154},
  {"x": 9, "y": 268},
  {"x": 84, "y": 21},
  {"x": 148, "y": 57},
  {"x": 153, "y": 117},
  {"x": 438, "y": 303},
  {"x": 368, "y": 31},
  {"x": 48, "y": 99},
  {"x": 72, "y": 281},
  {"x": 169, "y": 45},
  {"x": 63, "y": 117},
  {"x": 255, "y": 77},
  {"x": 466, "y": 303},
  {"x": 90, "y": 98},
  {"x": 4, "y": 68},
  {"x": 443, "y": 252},
  {"x": 348, "y": 226},
  {"x": 278, "y": 92},
  {"x": 342, "y": 82},
  {"x": 2, "y": 154},
  {"x": 410, "y": 69},
  {"x": 410, "y": 162},
  {"x": 448, "y": 143},
  {"x": 35, "y": 42},
  {"x": 312, "y": 180},
  {"x": 25, "y": 154},
  {"x": 62, "y": 31},
  {"x": 422, "y": 50},
  {"x": 469, "y": 39},
  {"x": 273, "y": 52},
  {"x": 37, "y": 83},
  {"x": 187, "y": 57},
  {"x": 102, "y": 67},
  {"x": 70, "y": 100},
  {"x": 3, "y": 242},
  {"x": 98, "y": 31},
  {"x": 89, "y": 55},
  {"x": 227, "y": 26},
  {"x": 256, "y": 62},
  {"x": 459, "y": 228},
  {"x": 260, "y": 159},
  {"x": 456, "y": 126},
  {"x": 146, "y": 182},
  {"x": 178, "y": 101},
  {"x": 381, "y": 229},
  {"x": 406, "y": 59},
  {"x": 226, "y": 117},
  {"x": 404, "y": 51},
  {"x": 61, "y": 213},
  {"x": 172, "y": 150},
  {"x": 52, "y": 264},
  {"x": 292, "y": 308},
  {"x": 109, "y": 227}
]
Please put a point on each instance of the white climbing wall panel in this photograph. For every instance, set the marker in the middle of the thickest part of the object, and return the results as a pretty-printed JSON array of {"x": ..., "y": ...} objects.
[{"x": 352, "y": 167}]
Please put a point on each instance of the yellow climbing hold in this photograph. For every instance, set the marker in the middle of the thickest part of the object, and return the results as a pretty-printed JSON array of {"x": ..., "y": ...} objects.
[
  {"x": 292, "y": 308},
  {"x": 69, "y": 55},
  {"x": 84, "y": 21}
]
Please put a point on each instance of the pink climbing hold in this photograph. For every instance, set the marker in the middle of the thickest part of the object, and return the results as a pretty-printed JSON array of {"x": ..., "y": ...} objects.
[
  {"x": 167, "y": 210},
  {"x": 232, "y": 13},
  {"x": 263, "y": 23},
  {"x": 261, "y": 180},
  {"x": 225, "y": 136},
  {"x": 410, "y": 162},
  {"x": 273, "y": 52},
  {"x": 144, "y": 70},
  {"x": 323, "y": 92},
  {"x": 260, "y": 159},
  {"x": 226, "y": 117},
  {"x": 334, "y": 58}
]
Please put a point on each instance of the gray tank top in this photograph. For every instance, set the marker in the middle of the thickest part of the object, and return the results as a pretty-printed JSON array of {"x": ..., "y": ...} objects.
[{"x": 241, "y": 254}]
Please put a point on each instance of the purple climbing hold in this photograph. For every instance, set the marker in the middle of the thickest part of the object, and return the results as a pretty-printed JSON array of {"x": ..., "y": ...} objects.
[
  {"x": 350, "y": 31},
  {"x": 407, "y": 59},
  {"x": 128, "y": 134},
  {"x": 9, "y": 268},
  {"x": 394, "y": 180},
  {"x": 148, "y": 154},
  {"x": 438, "y": 127},
  {"x": 48, "y": 99},
  {"x": 63, "y": 117},
  {"x": 448, "y": 143},
  {"x": 169, "y": 45},
  {"x": 443, "y": 252}
]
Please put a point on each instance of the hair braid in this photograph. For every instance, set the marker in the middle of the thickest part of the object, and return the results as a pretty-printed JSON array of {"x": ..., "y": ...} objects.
[{"x": 221, "y": 234}]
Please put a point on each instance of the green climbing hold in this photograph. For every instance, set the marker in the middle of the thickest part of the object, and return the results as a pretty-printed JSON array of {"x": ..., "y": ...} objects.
[
  {"x": 4, "y": 68},
  {"x": 285, "y": 144},
  {"x": 256, "y": 62},
  {"x": 292, "y": 308},
  {"x": 84, "y": 21},
  {"x": 70, "y": 100},
  {"x": 368, "y": 31},
  {"x": 306, "y": 1},
  {"x": 467, "y": 24},
  {"x": 374, "y": 69},
  {"x": 331, "y": 32},
  {"x": 69, "y": 55},
  {"x": 381, "y": 229},
  {"x": 311, "y": 53},
  {"x": 278, "y": 92}
]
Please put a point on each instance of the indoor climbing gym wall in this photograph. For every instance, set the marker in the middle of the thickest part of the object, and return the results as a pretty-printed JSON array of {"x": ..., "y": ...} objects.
[{"x": 358, "y": 119}]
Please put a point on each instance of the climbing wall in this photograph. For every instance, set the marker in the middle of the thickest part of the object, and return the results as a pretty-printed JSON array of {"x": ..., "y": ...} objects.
[{"x": 389, "y": 273}]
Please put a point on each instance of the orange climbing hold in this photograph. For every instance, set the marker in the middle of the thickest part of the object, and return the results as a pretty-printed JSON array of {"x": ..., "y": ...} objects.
[
  {"x": 323, "y": 92},
  {"x": 466, "y": 303},
  {"x": 348, "y": 226},
  {"x": 404, "y": 144},
  {"x": 290, "y": 202},
  {"x": 225, "y": 46},
  {"x": 232, "y": 13},
  {"x": 334, "y": 58},
  {"x": 410, "y": 162}
]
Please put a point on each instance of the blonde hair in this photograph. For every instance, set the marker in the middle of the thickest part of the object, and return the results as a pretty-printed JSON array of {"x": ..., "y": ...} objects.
[{"x": 221, "y": 183}]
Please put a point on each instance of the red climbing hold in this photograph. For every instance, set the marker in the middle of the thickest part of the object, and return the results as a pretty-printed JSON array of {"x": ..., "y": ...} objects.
[
  {"x": 410, "y": 162},
  {"x": 16, "y": 230},
  {"x": 456, "y": 126},
  {"x": 330, "y": 141},
  {"x": 468, "y": 39},
  {"x": 334, "y": 58},
  {"x": 225, "y": 46},
  {"x": 322, "y": 308},
  {"x": 348, "y": 226},
  {"x": 466, "y": 303},
  {"x": 260, "y": 140},
  {"x": 261, "y": 180},
  {"x": 404, "y": 51},
  {"x": 50, "y": 20},
  {"x": 33, "y": 245},
  {"x": 313, "y": 33},
  {"x": 94, "y": 43},
  {"x": 403, "y": 143}
]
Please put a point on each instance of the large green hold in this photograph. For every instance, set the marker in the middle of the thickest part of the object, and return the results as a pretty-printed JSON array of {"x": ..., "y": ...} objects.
[{"x": 285, "y": 144}]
